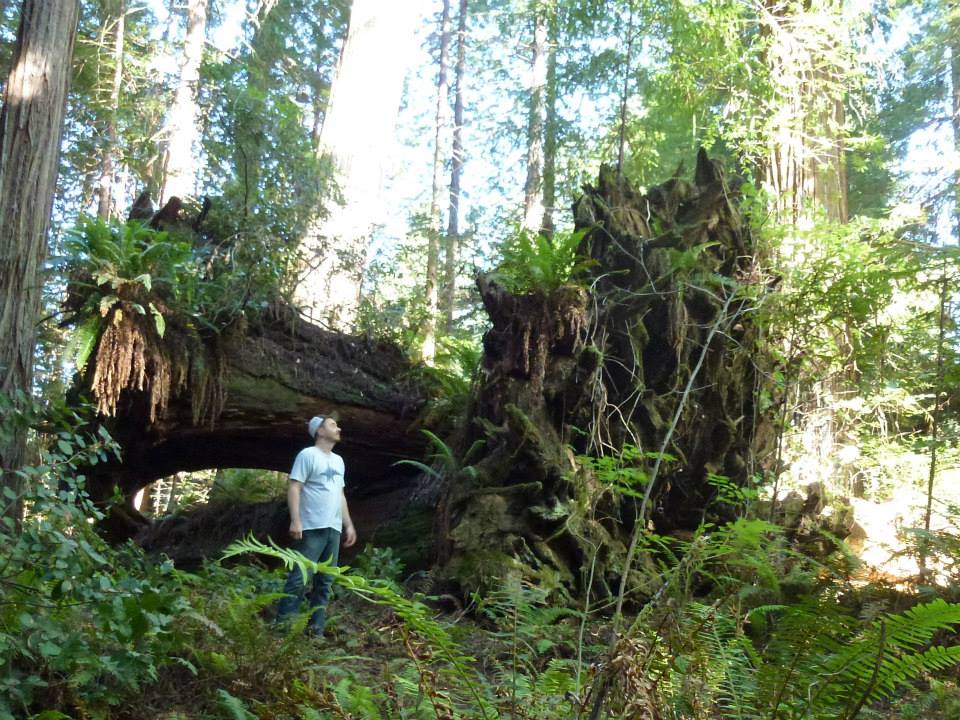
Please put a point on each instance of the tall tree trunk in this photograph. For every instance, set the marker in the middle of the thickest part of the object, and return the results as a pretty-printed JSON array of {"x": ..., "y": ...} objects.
[
  {"x": 625, "y": 93},
  {"x": 551, "y": 130},
  {"x": 935, "y": 417},
  {"x": 938, "y": 389},
  {"x": 31, "y": 125},
  {"x": 354, "y": 141},
  {"x": 181, "y": 167},
  {"x": 456, "y": 170},
  {"x": 806, "y": 161},
  {"x": 533, "y": 188},
  {"x": 433, "y": 242},
  {"x": 806, "y": 170},
  {"x": 955, "y": 109},
  {"x": 248, "y": 148},
  {"x": 114, "y": 19}
]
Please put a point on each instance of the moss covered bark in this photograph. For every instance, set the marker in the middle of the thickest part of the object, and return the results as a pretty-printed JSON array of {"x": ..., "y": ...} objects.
[{"x": 650, "y": 353}]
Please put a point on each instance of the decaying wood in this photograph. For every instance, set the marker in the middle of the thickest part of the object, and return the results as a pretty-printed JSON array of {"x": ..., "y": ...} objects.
[
  {"x": 595, "y": 368},
  {"x": 274, "y": 377},
  {"x": 196, "y": 399}
]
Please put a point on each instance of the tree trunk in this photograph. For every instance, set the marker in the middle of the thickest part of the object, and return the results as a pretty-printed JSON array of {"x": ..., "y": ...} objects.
[
  {"x": 533, "y": 188},
  {"x": 246, "y": 403},
  {"x": 433, "y": 242},
  {"x": 248, "y": 150},
  {"x": 354, "y": 141},
  {"x": 955, "y": 112},
  {"x": 805, "y": 168},
  {"x": 114, "y": 20},
  {"x": 183, "y": 132},
  {"x": 625, "y": 93},
  {"x": 31, "y": 125},
  {"x": 805, "y": 161},
  {"x": 456, "y": 170},
  {"x": 551, "y": 129}
]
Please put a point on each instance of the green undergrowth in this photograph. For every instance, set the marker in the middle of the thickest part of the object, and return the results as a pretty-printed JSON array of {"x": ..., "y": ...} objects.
[{"x": 733, "y": 622}]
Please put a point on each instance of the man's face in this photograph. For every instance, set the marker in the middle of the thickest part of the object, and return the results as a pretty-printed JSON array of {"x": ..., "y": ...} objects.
[{"x": 330, "y": 430}]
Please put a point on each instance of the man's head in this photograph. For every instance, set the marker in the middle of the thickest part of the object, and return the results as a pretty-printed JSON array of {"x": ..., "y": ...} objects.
[{"x": 324, "y": 428}]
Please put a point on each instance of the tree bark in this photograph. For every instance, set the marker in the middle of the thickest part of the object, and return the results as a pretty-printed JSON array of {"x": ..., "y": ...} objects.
[
  {"x": 551, "y": 129},
  {"x": 456, "y": 170},
  {"x": 114, "y": 21},
  {"x": 805, "y": 168},
  {"x": 183, "y": 132},
  {"x": 624, "y": 95},
  {"x": 354, "y": 140},
  {"x": 955, "y": 109},
  {"x": 31, "y": 125},
  {"x": 533, "y": 188},
  {"x": 433, "y": 240},
  {"x": 806, "y": 160}
]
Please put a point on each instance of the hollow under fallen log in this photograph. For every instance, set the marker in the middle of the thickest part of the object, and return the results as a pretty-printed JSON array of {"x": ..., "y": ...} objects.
[
  {"x": 648, "y": 363},
  {"x": 184, "y": 394},
  {"x": 274, "y": 378}
]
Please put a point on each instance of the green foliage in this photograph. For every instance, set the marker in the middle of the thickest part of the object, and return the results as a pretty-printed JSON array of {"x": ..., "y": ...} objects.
[
  {"x": 165, "y": 275},
  {"x": 770, "y": 637},
  {"x": 379, "y": 564},
  {"x": 451, "y": 662},
  {"x": 533, "y": 262},
  {"x": 235, "y": 485},
  {"x": 132, "y": 262},
  {"x": 455, "y": 366},
  {"x": 854, "y": 312},
  {"x": 444, "y": 461},
  {"x": 625, "y": 472},
  {"x": 72, "y": 626},
  {"x": 535, "y": 668}
]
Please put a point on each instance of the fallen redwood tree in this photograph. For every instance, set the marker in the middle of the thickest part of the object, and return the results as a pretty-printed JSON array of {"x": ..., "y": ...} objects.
[
  {"x": 184, "y": 393},
  {"x": 624, "y": 398}
]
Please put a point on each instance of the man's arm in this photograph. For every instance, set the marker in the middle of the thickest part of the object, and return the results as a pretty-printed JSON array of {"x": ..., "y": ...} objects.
[
  {"x": 349, "y": 532},
  {"x": 293, "y": 501}
]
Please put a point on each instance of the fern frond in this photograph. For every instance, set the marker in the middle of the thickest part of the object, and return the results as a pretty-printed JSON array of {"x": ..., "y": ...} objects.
[
  {"x": 234, "y": 706},
  {"x": 415, "y": 615}
]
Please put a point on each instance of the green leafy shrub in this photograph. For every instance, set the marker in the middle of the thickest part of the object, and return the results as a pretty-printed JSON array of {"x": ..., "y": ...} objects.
[
  {"x": 82, "y": 626},
  {"x": 166, "y": 275},
  {"x": 744, "y": 626}
]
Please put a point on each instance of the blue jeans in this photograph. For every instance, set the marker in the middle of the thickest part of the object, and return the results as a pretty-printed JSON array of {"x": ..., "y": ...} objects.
[{"x": 317, "y": 545}]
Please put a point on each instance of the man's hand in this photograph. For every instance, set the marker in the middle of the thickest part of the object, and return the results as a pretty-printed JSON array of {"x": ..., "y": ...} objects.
[
  {"x": 349, "y": 535},
  {"x": 296, "y": 529}
]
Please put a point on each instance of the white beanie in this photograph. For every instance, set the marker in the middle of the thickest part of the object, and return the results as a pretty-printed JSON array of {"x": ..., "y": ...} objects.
[{"x": 314, "y": 425}]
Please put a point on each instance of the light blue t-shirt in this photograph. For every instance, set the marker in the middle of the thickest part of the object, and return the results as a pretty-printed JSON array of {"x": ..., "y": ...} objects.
[{"x": 320, "y": 498}]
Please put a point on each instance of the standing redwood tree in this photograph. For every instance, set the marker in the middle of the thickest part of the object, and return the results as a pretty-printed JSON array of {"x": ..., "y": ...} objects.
[
  {"x": 113, "y": 31},
  {"x": 456, "y": 172},
  {"x": 357, "y": 130},
  {"x": 182, "y": 129},
  {"x": 533, "y": 187},
  {"x": 31, "y": 124},
  {"x": 433, "y": 246}
]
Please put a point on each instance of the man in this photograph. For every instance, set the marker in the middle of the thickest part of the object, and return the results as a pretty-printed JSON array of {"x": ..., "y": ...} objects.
[{"x": 318, "y": 513}]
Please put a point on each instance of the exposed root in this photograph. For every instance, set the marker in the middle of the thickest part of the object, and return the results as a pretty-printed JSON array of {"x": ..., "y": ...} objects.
[{"x": 130, "y": 357}]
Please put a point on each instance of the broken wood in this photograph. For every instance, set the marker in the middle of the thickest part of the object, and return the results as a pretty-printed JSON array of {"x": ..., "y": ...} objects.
[{"x": 600, "y": 369}]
